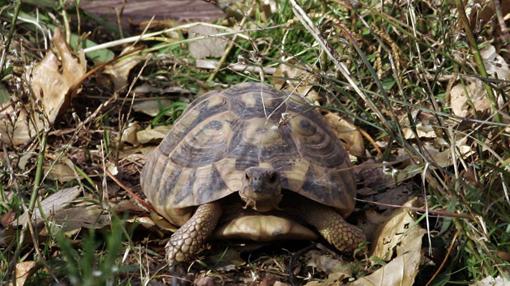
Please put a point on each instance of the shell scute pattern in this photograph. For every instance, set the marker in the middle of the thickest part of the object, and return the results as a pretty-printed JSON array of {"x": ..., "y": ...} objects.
[
  {"x": 197, "y": 112},
  {"x": 222, "y": 133}
]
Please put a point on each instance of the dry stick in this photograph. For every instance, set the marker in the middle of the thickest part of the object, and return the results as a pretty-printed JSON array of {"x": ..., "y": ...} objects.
[
  {"x": 154, "y": 34},
  {"x": 308, "y": 24},
  {"x": 475, "y": 50},
  {"x": 441, "y": 266},
  {"x": 9, "y": 37},
  {"x": 422, "y": 210},
  {"x": 228, "y": 49},
  {"x": 136, "y": 197},
  {"x": 31, "y": 206}
]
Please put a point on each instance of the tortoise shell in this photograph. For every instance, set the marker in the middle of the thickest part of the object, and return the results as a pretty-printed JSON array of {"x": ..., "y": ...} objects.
[{"x": 204, "y": 156}]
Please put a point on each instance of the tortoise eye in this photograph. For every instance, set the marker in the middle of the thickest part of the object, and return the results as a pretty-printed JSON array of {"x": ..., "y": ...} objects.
[
  {"x": 273, "y": 177},
  {"x": 246, "y": 176}
]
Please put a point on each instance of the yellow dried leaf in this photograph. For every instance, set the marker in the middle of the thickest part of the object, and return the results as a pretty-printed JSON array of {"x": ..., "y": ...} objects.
[
  {"x": 346, "y": 132},
  {"x": 23, "y": 271},
  {"x": 296, "y": 81},
  {"x": 151, "y": 107},
  {"x": 129, "y": 134},
  {"x": 403, "y": 236},
  {"x": 152, "y": 134},
  {"x": 52, "y": 81},
  {"x": 120, "y": 69},
  {"x": 393, "y": 233},
  {"x": 463, "y": 99},
  {"x": 211, "y": 46}
]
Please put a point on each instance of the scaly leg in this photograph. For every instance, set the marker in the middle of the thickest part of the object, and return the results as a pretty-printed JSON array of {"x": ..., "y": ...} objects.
[
  {"x": 331, "y": 225},
  {"x": 190, "y": 238}
]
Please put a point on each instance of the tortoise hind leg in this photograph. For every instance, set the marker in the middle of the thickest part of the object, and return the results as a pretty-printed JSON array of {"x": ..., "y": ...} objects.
[{"x": 190, "y": 238}]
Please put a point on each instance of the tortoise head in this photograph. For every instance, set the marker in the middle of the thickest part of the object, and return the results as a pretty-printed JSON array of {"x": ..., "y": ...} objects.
[{"x": 261, "y": 189}]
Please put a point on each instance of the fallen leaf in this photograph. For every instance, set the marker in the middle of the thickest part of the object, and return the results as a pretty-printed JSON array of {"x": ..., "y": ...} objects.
[
  {"x": 98, "y": 56},
  {"x": 401, "y": 271},
  {"x": 465, "y": 98},
  {"x": 494, "y": 63},
  {"x": 152, "y": 134},
  {"x": 129, "y": 134},
  {"x": 119, "y": 70},
  {"x": 90, "y": 217},
  {"x": 62, "y": 171},
  {"x": 23, "y": 271},
  {"x": 211, "y": 46},
  {"x": 151, "y": 107},
  {"x": 50, "y": 205},
  {"x": 392, "y": 233},
  {"x": 296, "y": 81},
  {"x": 204, "y": 281},
  {"x": 52, "y": 81},
  {"x": 337, "y": 270},
  {"x": 346, "y": 132},
  {"x": 400, "y": 236}
]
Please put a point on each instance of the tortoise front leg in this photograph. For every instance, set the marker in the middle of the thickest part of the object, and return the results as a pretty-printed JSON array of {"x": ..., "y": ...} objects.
[
  {"x": 331, "y": 225},
  {"x": 190, "y": 238}
]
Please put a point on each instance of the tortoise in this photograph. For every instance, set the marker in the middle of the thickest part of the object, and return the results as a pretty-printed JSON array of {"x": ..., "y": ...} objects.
[{"x": 251, "y": 162}]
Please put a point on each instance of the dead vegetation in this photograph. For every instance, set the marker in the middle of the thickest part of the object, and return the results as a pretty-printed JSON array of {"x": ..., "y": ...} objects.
[{"x": 417, "y": 91}]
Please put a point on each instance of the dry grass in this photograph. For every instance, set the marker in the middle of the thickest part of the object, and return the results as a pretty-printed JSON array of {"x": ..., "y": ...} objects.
[{"x": 391, "y": 70}]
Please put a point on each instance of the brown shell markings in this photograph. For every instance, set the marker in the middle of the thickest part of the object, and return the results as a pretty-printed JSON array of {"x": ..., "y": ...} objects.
[{"x": 222, "y": 133}]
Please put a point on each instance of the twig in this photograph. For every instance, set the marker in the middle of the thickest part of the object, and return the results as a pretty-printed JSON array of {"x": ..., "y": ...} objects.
[
  {"x": 441, "y": 266},
  {"x": 477, "y": 56},
  {"x": 150, "y": 35},
  {"x": 308, "y": 24},
  {"x": 212, "y": 64},
  {"x": 132, "y": 194},
  {"x": 421, "y": 210},
  {"x": 9, "y": 37},
  {"x": 229, "y": 48},
  {"x": 31, "y": 206}
]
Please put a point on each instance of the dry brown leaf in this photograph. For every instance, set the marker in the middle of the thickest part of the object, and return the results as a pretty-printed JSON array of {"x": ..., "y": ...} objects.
[
  {"x": 119, "y": 70},
  {"x": 461, "y": 95},
  {"x": 23, "y": 271},
  {"x": 211, "y": 46},
  {"x": 152, "y": 134},
  {"x": 393, "y": 233},
  {"x": 337, "y": 270},
  {"x": 52, "y": 81},
  {"x": 424, "y": 123},
  {"x": 296, "y": 81},
  {"x": 444, "y": 158},
  {"x": 346, "y": 132},
  {"x": 129, "y": 134},
  {"x": 401, "y": 271},
  {"x": 441, "y": 158},
  {"x": 62, "y": 171},
  {"x": 494, "y": 63},
  {"x": 151, "y": 107},
  {"x": 90, "y": 217},
  {"x": 401, "y": 236},
  {"x": 51, "y": 205},
  {"x": 423, "y": 131}
]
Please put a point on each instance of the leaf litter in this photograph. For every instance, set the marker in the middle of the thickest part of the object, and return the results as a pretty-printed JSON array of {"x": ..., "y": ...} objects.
[
  {"x": 397, "y": 243},
  {"x": 53, "y": 82}
]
